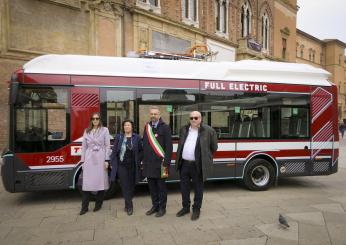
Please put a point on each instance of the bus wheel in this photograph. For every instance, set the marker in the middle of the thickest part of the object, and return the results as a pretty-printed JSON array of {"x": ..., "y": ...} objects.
[
  {"x": 259, "y": 175},
  {"x": 113, "y": 189}
]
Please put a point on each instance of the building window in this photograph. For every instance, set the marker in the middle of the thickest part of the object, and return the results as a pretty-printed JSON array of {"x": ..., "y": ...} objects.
[
  {"x": 152, "y": 5},
  {"x": 221, "y": 10},
  {"x": 313, "y": 56},
  {"x": 150, "y": 2},
  {"x": 190, "y": 12},
  {"x": 246, "y": 19},
  {"x": 284, "y": 47},
  {"x": 321, "y": 58},
  {"x": 301, "y": 51},
  {"x": 265, "y": 31}
]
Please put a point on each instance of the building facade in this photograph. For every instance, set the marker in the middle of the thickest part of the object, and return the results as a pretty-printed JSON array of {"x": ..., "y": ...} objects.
[
  {"x": 234, "y": 29},
  {"x": 327, "y": 54}
]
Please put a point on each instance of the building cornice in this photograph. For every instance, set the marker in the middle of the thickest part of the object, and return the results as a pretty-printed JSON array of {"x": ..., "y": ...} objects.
[
  {"x": 324, "y": 41},
  {"x": 337, "y": 41},
  {"x": 300, "y": 32}
]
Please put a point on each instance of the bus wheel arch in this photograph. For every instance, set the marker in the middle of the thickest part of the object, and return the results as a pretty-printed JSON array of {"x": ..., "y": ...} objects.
[{"x": 260, "y": 172}]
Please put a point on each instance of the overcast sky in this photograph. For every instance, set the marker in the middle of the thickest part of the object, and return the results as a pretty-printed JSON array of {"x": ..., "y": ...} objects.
[{"x": 324, "y": 19}]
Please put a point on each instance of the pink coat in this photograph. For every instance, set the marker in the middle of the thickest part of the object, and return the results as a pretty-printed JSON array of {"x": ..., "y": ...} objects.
[{"x": 95, "y": 151}]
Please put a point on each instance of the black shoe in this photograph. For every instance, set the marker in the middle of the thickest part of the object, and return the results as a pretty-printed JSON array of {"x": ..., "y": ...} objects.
[
  {"x": 160, "y": 213},
  {"x": 151, "y": 211},
  {"x": 97, "y": 208},
  {"x": 195, "y": 214},
  {"x": 83, "y": 211},
  {"x": 182, "y": 212},
  {"x": 129, "y": 211}
]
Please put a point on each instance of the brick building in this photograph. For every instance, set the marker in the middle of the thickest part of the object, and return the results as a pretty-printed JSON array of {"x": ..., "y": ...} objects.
[
  {"x": 235, "y": 29},
  {"x": 327, "y": 54}
]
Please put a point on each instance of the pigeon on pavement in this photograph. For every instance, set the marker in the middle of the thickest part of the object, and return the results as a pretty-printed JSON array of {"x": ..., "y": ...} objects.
[{"x": 283, "y": 222}]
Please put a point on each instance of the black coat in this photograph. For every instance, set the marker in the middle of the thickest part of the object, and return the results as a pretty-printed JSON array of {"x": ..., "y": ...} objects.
[
  {"x": 137, "y": 153},
  {"x": 205, "y": 147},
  {"x": 151, "y": 162}
]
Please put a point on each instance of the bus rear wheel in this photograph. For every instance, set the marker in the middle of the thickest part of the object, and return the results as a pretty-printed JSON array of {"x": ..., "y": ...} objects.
[{"x": 259, "y": 175}]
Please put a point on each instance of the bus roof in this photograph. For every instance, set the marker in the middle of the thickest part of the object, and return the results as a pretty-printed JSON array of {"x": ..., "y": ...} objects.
[{"x": 245, "y": 70}]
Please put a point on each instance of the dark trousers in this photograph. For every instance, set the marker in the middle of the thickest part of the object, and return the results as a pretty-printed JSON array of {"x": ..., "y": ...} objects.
[
  {"x": 158, "y": 192},
  {"x": 86, "y": 198},
  {"x": 189, "y": 172},
  {"x": 126, "y": 173}
]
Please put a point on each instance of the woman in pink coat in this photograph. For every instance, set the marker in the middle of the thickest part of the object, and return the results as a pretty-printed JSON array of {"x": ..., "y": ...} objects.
[{"x": 95, "y": 158}]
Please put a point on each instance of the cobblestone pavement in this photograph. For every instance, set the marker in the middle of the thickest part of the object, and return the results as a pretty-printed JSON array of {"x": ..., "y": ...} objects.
[{"x": 315, "y": 208}]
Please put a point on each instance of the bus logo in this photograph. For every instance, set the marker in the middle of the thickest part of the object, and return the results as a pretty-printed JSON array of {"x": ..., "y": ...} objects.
[{"x": 76, "y": 150}]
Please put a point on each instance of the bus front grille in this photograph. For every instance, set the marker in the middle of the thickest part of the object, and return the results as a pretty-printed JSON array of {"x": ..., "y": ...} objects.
[{"x": 46, "y": 180}]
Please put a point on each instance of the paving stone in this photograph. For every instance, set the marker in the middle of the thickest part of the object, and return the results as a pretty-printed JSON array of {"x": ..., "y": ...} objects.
[
  {"x": 341, "y": 199},
  {"x": 131, "y": 241},
  {"x": 275, "y": 230},
  {"x": 195, "y": 237},
  {"x": 53, "y": 221},
  {"x": 313, "y": 235},
  {"x": 48, "y": 213},
  {"x": 158, "y": 238},
  {"x": 334, "y": 217},
  {"x": 147, "y": 228},
  {"x": 280, "y": 241},
  {"x": 247, "y": 241},
  {"x": 4, "y": 230},
  {"x": 314, "y": 218},
  {"x": 27, "y": 222},
  {"x": 73, "y": 236},
  {"x": 337, "y": 233},
  {"x": 238, "y": 232},
  {"x": 332, "y": 207},
  {"x": 109, "y": 234}
]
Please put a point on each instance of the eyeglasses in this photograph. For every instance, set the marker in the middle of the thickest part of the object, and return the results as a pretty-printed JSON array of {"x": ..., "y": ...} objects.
[
  {"x": 95, "y": 118},
  {"x": 194, "y": 118}
]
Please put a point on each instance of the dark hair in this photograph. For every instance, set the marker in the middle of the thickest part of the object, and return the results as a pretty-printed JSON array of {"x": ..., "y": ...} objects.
[
  {"x": 91, "y": 126},
  {"x": 129, "y": 121}
]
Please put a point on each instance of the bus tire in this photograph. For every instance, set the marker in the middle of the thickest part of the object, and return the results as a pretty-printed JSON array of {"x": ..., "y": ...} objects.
[
  {"x": 259, "y": 175},
  {"x": 113, "y": 189}
]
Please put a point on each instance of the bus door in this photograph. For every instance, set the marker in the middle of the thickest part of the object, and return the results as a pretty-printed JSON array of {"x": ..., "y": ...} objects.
[
  {"x": 84, "y": 101},
  {"x": 323, "y": 139},
  {"x": 218, "y": 111}
]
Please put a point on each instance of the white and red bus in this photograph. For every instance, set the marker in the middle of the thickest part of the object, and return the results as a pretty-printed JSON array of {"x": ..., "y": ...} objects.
[{"x": 272, "y": 119}]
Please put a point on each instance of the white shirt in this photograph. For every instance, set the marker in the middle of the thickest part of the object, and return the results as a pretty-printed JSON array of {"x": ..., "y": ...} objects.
[{"x": 190, "y": 145}]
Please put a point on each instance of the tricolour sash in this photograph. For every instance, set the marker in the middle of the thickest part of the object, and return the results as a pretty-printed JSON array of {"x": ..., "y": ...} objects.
[
  {"x": 157, "y": 148},
  {"x": 153, "y": 142}
]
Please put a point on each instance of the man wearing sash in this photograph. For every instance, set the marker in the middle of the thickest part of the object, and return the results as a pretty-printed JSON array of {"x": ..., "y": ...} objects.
[
  {"x": 197, "y": 143},
  {"x": 157, "y": 151}
]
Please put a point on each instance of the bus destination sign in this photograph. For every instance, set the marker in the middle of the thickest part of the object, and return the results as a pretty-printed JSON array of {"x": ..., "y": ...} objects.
[{"x": 234, "y": 86}]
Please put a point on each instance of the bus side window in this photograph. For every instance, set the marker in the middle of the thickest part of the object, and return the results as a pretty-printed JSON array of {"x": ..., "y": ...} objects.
[
  {"x": 294, "y": 122},
  {"x": 175, "y": 106}
]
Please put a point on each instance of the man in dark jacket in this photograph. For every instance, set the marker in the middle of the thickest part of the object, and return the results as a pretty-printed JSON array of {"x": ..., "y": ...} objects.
[
  {"x": 157, "y": 151},
  {"x": 196, "y": 146}
]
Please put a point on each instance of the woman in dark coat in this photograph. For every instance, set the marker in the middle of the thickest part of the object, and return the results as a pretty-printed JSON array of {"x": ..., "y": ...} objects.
[{"x": 125, "y": 159}]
